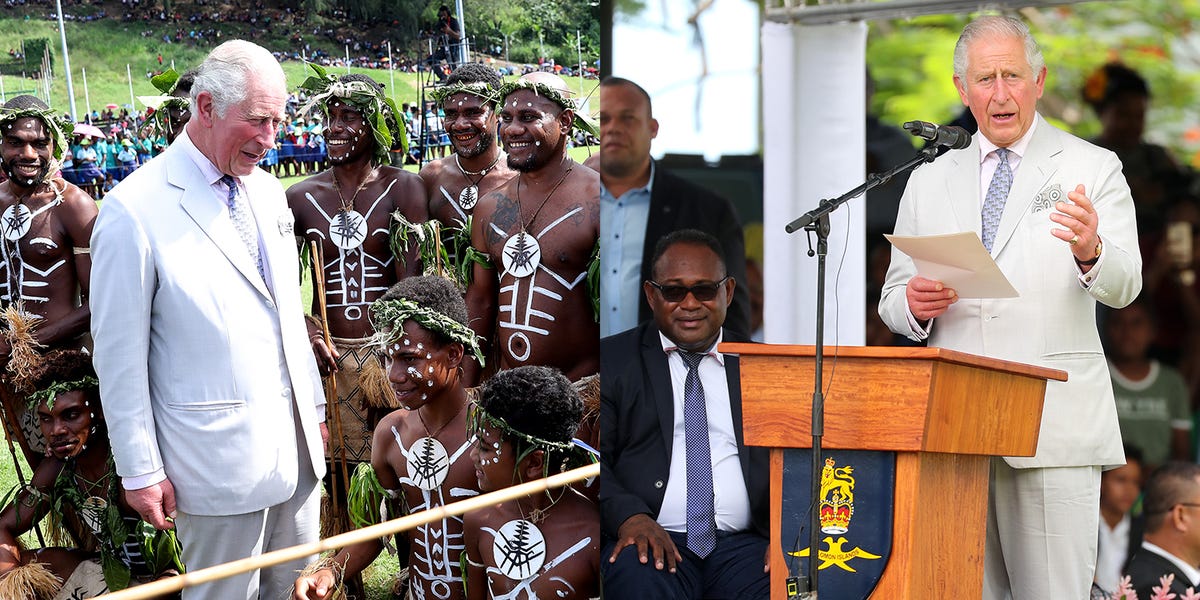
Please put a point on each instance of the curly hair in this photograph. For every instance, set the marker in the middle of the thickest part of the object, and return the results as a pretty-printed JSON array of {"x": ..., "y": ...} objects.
[
  {"x": 362, "y": 78},
  {"x": 67, "y": 365},
  {"x": 694, "y": 237},
  {"x": 432, "y": 292},
  {"x": 536, "y": 401},
  {"x": 183, "y": 86},
  {"x": 25, "y": 102},
  {"x": 475, "y": 72}
]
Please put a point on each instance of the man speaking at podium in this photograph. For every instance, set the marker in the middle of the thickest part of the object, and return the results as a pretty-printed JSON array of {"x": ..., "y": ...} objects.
[{"x": 1057, "y": 216}]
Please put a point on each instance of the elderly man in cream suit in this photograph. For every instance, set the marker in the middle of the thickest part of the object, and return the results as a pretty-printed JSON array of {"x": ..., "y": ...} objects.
[
  {"x": 212, "y": 394},
  {"x": 1062, "y": 230}
]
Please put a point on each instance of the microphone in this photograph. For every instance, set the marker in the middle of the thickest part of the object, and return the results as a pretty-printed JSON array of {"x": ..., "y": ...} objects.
[{"x": 954, "y": 137}]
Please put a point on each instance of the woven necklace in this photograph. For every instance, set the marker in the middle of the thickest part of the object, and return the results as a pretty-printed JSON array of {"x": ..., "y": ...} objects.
[
  {"x": 522, "y": 254},
  {"x": 348, "y": 228},
  {"x": 439, "y": 429},
  {"x": 469, "y": 195}
]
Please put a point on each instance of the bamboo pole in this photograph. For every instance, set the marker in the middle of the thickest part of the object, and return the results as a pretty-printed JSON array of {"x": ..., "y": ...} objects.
[
  {"x": 337, "y": 464},
  {"x": 174, "y": 584}
]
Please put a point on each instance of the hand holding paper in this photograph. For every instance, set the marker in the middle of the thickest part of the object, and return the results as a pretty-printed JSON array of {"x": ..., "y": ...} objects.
[
  {"x": 959, "y": 261},
  {"x": 928, "y": 298}
]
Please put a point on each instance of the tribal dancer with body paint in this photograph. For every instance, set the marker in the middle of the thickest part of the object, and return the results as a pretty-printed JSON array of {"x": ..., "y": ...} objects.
[
  {"x": 45, "y": 261},
  {"x": 455, "y": 184},
  {"x": 420, "y": 455},
  {"x": 546, "y": 545},
  {"x": 540, "y": 231},
  {"x": 78, "y": 476},
  {"x": 347, "y": 211}
]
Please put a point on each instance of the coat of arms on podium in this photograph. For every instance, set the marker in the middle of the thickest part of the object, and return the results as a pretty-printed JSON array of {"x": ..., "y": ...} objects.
[{"x": 855, "y": 511}]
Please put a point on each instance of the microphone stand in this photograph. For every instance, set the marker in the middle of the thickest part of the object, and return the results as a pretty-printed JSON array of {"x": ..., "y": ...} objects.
[{"x": 817, "y": 221}]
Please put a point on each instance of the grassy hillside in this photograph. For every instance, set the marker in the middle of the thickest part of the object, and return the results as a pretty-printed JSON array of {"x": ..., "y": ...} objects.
[{"x": 104, "y": 48}]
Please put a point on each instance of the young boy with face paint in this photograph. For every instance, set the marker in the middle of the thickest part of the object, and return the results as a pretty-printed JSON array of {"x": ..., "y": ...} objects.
[
  {"x": 347, "y": 212},
  {"x": 545, "y": 545},
  {"x": 78, "y": 473},
  {"x": 419, "y": 455}
]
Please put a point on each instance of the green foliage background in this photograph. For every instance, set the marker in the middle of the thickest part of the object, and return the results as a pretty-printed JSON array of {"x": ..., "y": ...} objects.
[
  {"x": 103, "y": 48},
  {"x": 912, "y": 62}
]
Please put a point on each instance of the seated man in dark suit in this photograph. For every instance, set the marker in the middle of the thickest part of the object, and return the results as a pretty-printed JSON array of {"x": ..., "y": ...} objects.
[
  {"x": 683, "y": 502},
  {"x": 1172, "y": 542}
]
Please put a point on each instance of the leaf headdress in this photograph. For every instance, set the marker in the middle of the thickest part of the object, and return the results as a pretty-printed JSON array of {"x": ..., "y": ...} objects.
[
  {"x": 554, "y": 96},
  {"x": 378, "y": 110},
  {"x": 61, "y": 126}
]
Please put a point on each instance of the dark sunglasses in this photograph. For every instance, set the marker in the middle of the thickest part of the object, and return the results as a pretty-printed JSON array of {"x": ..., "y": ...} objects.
[{"x": 703, "y": 292}]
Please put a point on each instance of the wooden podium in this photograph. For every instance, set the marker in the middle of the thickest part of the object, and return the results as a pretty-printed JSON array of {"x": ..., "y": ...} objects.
[{"x": 944, "y": 413}]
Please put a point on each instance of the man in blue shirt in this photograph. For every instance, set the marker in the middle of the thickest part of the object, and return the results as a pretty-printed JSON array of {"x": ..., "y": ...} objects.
[{"x": 641, "y": 202}]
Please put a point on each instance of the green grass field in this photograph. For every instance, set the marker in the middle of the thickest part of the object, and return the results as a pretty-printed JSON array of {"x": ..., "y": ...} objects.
[{"x": 104, "y": 48}]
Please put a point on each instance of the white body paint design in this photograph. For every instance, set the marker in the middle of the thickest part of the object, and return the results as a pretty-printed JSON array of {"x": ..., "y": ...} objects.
[
  {"x": 434, "y": 541},
  {"x": 523, "y": 319},
  {"x": 357, "y": 273},
  {"x": 524, "y": 590}
]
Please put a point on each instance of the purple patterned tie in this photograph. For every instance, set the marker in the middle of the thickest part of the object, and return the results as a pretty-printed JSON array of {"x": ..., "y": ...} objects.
[
  {"x": 997, "y": 194},
  {"x": 701, "y": 527},
  {"x": 243, "y": 222}
]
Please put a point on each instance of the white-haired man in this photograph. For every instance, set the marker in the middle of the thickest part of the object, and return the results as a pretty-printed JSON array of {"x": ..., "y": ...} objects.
[
  {"x": 1056, "y": 215},
  {"x": 201, "y": 345}
]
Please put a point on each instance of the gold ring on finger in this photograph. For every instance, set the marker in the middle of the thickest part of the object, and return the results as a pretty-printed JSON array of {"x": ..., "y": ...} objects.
[{"x": 1074, "y": 240}]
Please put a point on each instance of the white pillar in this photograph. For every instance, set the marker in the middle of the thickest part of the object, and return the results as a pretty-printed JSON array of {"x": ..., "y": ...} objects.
[{"x": 813, "y": 149}]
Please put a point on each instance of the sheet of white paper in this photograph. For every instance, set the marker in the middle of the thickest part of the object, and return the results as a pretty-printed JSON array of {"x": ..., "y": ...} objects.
[{"x": 959, "y": 261}]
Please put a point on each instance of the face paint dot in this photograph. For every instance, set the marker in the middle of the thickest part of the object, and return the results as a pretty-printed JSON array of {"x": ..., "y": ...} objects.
[
  {"x": 406, "y": 342},
  {"x": 420, "y": 346},
  {"x": 496, "y": 445},
  {"x": 424, "y": 397},
  {"x": 495, "y": 460},
  {"x": 429, "y": 356},
  {"x": 431, "y": 370},
  {"x": 430, "y": 383},
  {"x": 528, "y": 104},
  {"x": 537, "y": 143},
  {"x": 412, "y": 372}
]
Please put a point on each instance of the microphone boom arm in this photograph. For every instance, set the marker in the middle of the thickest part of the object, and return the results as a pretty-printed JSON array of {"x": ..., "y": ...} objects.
[{"x": 874, "y": 180}]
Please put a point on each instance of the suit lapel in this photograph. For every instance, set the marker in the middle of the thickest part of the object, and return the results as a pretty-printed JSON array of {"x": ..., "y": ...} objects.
[
  {"x": 1037, "y": 166},
  {"x": 659, "y": 374},
  {"x": 268, "y": 230},
  {"x": 963, "y": 185},
  {"x": 205, "y": 209}
]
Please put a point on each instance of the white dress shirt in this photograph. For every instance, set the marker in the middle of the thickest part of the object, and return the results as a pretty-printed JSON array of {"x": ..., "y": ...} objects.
[{"x": 731, "y": 501}]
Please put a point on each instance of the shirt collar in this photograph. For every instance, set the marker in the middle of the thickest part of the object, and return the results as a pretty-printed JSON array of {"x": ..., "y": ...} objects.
[
  {"x": 668, "y": 347},
  {"x": 1191, "y": 572},
  {"x": 211, "y": 173},
  {"x": 645, "y": 189},
  {"x": 986, "y": 146}
]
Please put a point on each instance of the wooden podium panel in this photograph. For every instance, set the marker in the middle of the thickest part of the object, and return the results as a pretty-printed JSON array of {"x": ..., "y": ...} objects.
[{"x": 944, "y": 413}]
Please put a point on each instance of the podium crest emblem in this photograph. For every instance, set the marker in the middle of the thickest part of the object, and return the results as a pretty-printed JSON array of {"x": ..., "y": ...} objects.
[{"x": 855, "y": 514}]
